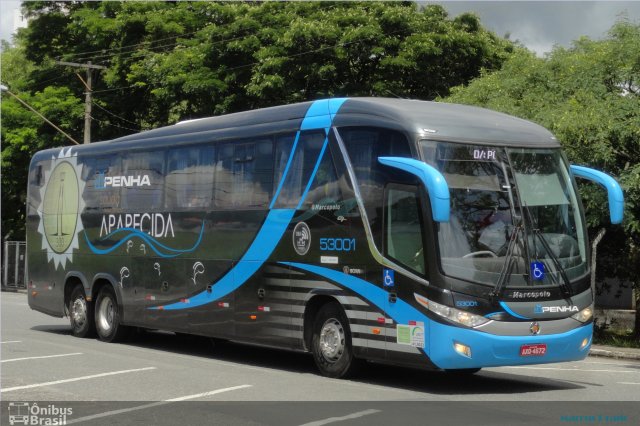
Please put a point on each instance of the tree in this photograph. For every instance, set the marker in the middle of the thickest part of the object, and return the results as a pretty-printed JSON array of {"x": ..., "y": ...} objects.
[
  {"x": 589, "y": 97},
  {"x": 170, "y": 61}
]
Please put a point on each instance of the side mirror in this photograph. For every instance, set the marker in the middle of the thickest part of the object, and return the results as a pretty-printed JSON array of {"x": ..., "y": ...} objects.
[
  {"x": 614, "y": 192},
  {"x": 432, "y": 179}
]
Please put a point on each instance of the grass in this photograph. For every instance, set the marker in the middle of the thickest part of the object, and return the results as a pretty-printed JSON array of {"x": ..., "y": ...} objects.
[{"x": 618, "y": 338}]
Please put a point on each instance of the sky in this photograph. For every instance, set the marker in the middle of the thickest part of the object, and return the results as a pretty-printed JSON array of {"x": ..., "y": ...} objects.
[{"x": 539, "y": 25}]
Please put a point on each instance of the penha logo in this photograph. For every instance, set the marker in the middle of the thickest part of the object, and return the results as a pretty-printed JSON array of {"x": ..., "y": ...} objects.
[
  {"x": 103, "y": 181},
  {"x": 539, "y": 309},
  {"x": 60, "y": 208}
]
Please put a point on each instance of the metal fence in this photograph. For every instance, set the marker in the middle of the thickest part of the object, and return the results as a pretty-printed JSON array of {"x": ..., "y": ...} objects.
[{"x": 14, "y": 265}]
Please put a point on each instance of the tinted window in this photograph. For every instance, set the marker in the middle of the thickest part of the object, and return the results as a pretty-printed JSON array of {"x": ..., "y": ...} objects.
[
  {"x": 403, "y": 230},
  {"x": 305, "y": 159},
  {"x": 365, "y": 145},
  {"x": 142, "y": 180},
  {"x": 100, "y": 193},
  {"x": 244, "y": 174},
  {"x": 325, "y": 187},
  {"x": 189, "y": 180}
]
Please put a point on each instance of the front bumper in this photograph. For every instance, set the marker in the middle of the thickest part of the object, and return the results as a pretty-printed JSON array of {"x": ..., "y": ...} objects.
[{"x": 490, "y": 350}]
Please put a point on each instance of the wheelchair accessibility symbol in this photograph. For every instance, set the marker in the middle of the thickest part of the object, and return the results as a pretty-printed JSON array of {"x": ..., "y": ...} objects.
[
  {"x": 537, "y": 271},
  {"x": 388, "y": 278}
]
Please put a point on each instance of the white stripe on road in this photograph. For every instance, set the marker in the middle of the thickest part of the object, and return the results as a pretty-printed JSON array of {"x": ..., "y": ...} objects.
[
  {"x": 40, "y": 357},
  {"x": 576, "y": 369},
  {"x": 75, "y": 379},
  {"x": 202, "y": 395},
  {"x": 628, "y": 383},
  {"x": 155, "y": 404},
  {"x": 11, "y": 341},
  {"x": 339, "y": 419}
]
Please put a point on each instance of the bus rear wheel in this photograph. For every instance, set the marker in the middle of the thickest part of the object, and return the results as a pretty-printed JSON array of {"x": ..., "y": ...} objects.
[
  {"x": 108, "y": 317},
  {"x": 331, "y": 343},
  {"x": 80, "y": 313}
]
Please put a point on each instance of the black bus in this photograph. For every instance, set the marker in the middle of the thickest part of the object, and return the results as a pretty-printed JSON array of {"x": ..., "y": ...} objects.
[{"x": 416, "y": 233}]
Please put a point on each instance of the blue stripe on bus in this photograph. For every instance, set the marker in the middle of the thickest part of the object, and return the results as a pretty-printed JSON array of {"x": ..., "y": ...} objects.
[
  {"x": 319, "y": 115},
  {"x": 286, "y": 170},
  {"x": 400, "y": 311},
  {"x": 486, "y": 349},
  {"x": 152, "y": 242},
  {"x": 313, "y": 173},
  {"x": 262, "y": 247},
  {"x": 511, "y": 312}
]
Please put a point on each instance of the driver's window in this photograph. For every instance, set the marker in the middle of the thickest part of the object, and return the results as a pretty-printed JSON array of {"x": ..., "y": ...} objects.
[{"x": 403, "y": 240}]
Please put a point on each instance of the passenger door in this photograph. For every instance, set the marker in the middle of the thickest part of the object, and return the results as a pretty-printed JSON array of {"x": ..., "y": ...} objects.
[{"x": 403, "y": 243}]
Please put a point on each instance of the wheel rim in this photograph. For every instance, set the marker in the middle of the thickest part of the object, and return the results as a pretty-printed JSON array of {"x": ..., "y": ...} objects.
[
  {"x": 106, "y": 314},
  {"x": 332, "y": 340},
  {"x": 79, "y": 312}
]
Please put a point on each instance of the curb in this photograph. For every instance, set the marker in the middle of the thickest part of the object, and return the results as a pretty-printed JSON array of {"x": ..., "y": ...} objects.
[{"x": 617, "y": 354}]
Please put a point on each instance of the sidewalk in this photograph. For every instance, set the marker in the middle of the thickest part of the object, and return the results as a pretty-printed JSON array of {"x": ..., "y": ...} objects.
[{"x": 615, "y": 352}]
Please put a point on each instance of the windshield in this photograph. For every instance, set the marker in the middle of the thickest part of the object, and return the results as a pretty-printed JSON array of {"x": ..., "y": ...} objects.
[{"x": 494, "y": 191}]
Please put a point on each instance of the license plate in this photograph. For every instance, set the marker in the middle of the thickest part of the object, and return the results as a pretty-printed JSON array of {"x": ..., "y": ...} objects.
[{"x": 533, "y": 350}]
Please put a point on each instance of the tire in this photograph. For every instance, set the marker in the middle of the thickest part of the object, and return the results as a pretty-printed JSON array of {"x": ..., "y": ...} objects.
[
  {"x": 331, "y": 343},
  {"x": 80, "y": 314},
  {"x": 107, "y": 317}
]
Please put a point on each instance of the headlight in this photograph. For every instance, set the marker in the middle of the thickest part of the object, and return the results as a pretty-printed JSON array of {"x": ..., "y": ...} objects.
[
  {"x": 453, "y": 314},
  {"x": 584, "y": 315}
]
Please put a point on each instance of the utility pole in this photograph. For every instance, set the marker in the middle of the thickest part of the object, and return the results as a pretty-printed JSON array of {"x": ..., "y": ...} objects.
[{"x": 87, "y": 99}]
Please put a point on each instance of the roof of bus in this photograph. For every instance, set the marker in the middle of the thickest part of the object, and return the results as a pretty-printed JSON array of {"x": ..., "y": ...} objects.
[{"x": 433, "y": 120}]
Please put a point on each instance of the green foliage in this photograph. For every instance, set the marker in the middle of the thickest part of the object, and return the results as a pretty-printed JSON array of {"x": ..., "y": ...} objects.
[
  {"x": 589, "y": 97},
  {"x": 170, "y": 61}
]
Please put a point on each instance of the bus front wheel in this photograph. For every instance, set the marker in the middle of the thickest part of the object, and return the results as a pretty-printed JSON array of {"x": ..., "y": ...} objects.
[
  {"x": 80, "y": 313},
  {"x": 331, "y": 342},
  {"x": 108, "y": 317}
]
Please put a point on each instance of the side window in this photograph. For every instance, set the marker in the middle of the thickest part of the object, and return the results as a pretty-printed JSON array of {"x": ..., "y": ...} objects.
[
  {"x": 244, "y": 174},
  {"x": 189, "y": 180},
  {"x": 100, "y": 192},
  {"x": 36, "y": 180},
  {"x": 284, "y": 144},
  {"x": 302, "y": 165},
  {"x": 325, "y": 187},
  {"x": 142, "y": 180},
  {"x": 365, "y": 145},
  {"x": 403, "y": 234}
]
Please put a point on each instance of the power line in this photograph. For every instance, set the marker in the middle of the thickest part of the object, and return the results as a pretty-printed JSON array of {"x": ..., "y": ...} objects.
[
  {"x": 115, "y": 115},
  {"x": 5, "y": 89},
  {"x": 112, "y": 125},
  {"x": 154, "y": 83},
  {"x": 81, "y": 55}
]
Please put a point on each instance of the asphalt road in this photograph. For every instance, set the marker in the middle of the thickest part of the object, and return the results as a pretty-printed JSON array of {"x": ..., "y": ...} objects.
[{"x": 159, "y": 377}]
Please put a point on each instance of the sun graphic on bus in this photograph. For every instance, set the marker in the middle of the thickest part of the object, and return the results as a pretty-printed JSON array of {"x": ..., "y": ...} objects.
[{"x": 60, "y": 208}]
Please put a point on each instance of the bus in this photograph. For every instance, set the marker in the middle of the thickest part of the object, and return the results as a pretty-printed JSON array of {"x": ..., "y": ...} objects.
[{"x": 421, "y": 234}]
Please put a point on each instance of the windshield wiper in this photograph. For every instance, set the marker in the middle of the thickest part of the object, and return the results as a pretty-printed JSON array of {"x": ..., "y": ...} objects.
[
  {"x": 509, "y": 260},
  {"x": 565, "y": 285}
]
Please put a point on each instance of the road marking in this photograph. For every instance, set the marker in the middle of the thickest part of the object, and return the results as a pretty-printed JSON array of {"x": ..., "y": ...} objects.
[
  {"x": 339, "y": 419},
  {"x": 576, "y": 369},
  {"x": 202, "y": 395},
  {"x": 75, "y": 379},
  {"x": 154, "y": 404},
  {"x": 11, "y": 341},
  {"x": 41, "y": 357},
  {"x": 628, "y": 383}
]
